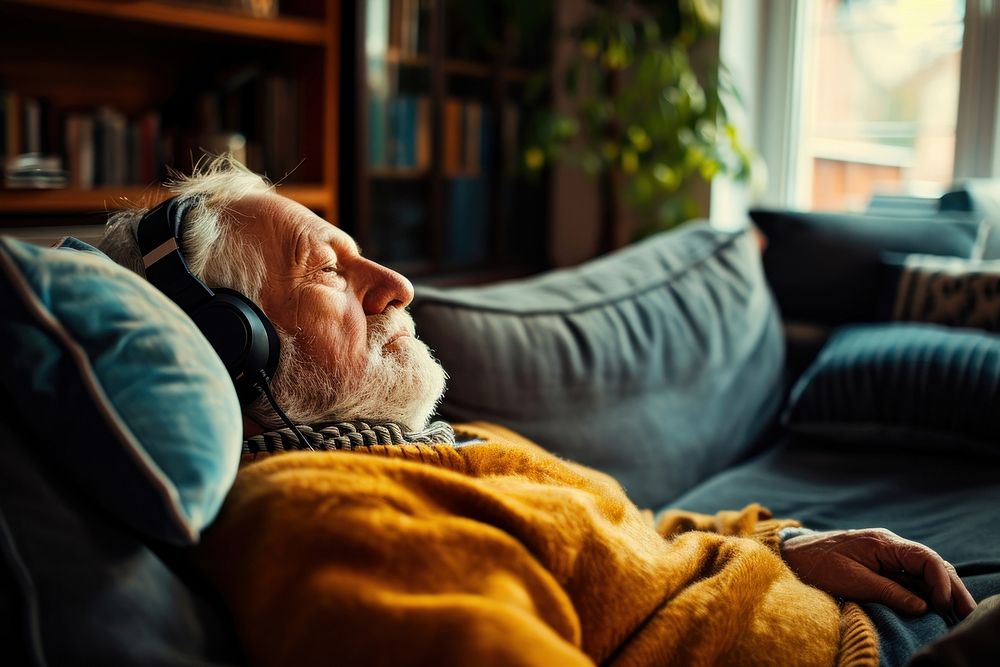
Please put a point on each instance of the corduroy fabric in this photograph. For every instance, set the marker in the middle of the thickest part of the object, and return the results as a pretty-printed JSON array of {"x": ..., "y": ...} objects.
[
  {"x": 501, "y": 554},
  {"x": 903, "y": 384}
]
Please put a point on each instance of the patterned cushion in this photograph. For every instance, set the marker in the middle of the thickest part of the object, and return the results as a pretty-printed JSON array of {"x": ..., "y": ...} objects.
[
  {"x": 907, "y": 385},
  {"x": 119, "y": 387},
  {"x": 943, "y": 290}
]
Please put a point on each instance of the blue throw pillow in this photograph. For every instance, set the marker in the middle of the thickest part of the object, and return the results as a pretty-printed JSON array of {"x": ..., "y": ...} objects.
[
  {"x": 119, "y": 387},
  {"x": 911, "y": 385}
]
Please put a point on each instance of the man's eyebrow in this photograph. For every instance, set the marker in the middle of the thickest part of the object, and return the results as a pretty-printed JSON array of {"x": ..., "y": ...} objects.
[{"x": 334, "y": 241}]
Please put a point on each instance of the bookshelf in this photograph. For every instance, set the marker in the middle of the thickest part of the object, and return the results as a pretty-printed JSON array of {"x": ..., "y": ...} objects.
[
  {"x": 118, "y": 88},
  {"x": 430, "y": 179}
]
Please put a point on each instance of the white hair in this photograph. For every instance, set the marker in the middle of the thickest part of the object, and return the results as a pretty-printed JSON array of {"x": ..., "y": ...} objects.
[
  {"x": 403, "y": 385},
  {"x": 212, "y": 248}
]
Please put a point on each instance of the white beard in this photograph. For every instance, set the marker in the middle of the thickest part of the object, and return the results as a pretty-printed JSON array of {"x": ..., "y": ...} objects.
[{"x": 401, "y": 381}]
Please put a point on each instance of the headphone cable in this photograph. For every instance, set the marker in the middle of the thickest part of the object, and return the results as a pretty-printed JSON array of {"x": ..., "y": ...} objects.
[{"x": 263, "y": 385}]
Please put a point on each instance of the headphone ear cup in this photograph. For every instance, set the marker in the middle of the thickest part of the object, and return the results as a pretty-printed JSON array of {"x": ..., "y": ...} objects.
[{"x": 244, "y": 339}]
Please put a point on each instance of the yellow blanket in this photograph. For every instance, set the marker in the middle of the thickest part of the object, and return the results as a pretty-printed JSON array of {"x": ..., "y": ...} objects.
[{"x": 501, "y": 554}]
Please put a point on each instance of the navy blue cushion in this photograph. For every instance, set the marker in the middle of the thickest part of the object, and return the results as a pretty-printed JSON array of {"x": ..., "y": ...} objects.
[
  {"x": 658, "y": 364},
  {"x": 914, "y": 385},
  {"x": 822, "y": 266},
  {"x": 82, "y": 588},
  {"x": 119, "y": 387}
]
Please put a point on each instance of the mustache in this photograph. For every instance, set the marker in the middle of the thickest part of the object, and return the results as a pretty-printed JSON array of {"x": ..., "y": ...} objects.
[{"x": 385, "y": 326}]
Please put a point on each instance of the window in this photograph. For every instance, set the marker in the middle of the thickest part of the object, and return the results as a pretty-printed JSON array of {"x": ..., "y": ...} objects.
[
  {"x": 880, "y": 100},
  {"x": 862, "y": 98}
]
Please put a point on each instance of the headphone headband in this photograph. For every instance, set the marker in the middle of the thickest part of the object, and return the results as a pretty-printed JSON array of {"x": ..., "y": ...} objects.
[
  {"x": 237, "y": 329},
  {"x": 159, "y": 234}
]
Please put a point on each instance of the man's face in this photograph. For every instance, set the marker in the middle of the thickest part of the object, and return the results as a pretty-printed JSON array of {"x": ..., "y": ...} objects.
[{"x": 342, "y": 317}]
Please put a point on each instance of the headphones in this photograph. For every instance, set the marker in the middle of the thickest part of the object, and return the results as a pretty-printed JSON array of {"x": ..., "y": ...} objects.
[{"x": 237, "y": 328}]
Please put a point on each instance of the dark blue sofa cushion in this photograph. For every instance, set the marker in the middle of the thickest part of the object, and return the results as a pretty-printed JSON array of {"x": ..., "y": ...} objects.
[
  {"x": 658, "y": 364},
  {"x": 80, "y": 587},
  {"x": 907, "y": 385},
  {"x": 822, "y": 266}
]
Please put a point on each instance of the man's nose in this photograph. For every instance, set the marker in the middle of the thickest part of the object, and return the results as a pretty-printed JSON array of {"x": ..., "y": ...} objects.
[{"x": 384, "y": 288}]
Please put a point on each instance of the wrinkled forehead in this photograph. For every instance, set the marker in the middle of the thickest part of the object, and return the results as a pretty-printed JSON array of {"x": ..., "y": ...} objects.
[{"x": 287, "y": 225}]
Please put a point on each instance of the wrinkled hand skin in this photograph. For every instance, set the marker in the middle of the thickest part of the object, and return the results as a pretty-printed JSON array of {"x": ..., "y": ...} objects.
[{"x": 876, "y": 565}]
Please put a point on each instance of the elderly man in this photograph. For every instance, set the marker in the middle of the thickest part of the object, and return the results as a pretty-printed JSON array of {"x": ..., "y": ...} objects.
[{"x": 491, "y": 550}]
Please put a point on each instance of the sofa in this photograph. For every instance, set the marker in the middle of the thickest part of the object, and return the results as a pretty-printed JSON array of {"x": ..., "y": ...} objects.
[{"x": 673, "y": 364}]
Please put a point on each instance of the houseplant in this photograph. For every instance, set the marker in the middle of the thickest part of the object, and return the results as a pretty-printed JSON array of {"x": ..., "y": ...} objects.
[{"x": 650, "y": 111}]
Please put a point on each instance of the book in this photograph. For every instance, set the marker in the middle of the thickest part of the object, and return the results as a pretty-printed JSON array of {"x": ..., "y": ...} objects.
[
  {"x": 13, "y": 130},
  {"x": 31, "y": 126},
  {"x": 424, "y": 14},
  {"x": 509, "y": 131},
  {"x": 80, "y": 150},
  {"x": 395, "y": 25},
  {"x": 111, "y": 147},
  {"x": 472, "y": 126},
  {"x": 466, "y": 237},
  {"x": 279, "y": 126},
  {"x": 423, "y": 129},
  {"x": 3, "y": 125},
  {"x": 406, "y": 139},
  {"x": 486, "y": 152},
  {"x": 377, "y": 130},
  {"x": 452, "y": 150},
  {"x": 148, "y": 154}
]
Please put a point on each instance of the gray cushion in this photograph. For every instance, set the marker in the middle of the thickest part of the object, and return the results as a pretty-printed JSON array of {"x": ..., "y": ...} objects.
[{"x": 657, "y": 364}]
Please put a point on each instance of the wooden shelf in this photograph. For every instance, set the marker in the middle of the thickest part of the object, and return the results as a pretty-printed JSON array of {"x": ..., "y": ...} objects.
[
  {"x": 399, "y": 173},
  {"x": 484, "y": 70},
  {"x": 110, "y": 198},
  {"x": 455, "y": 66},
  {"x": 284, "y": 29}
]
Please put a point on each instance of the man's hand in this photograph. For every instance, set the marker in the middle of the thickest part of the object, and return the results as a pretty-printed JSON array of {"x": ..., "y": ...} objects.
[{"x": 876, "y": 565}]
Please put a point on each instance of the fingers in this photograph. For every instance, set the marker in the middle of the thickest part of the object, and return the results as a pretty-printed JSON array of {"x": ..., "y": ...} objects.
[
  {"x": 946, "y": 591},
  {"x": 917, "y": 560},
  {"x": 962, "y": 600},
  {"x": 897, "y": 598}
]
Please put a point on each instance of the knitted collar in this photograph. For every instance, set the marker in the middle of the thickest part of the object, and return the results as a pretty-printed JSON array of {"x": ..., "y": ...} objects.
[{"x": 345, "y": 436}]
